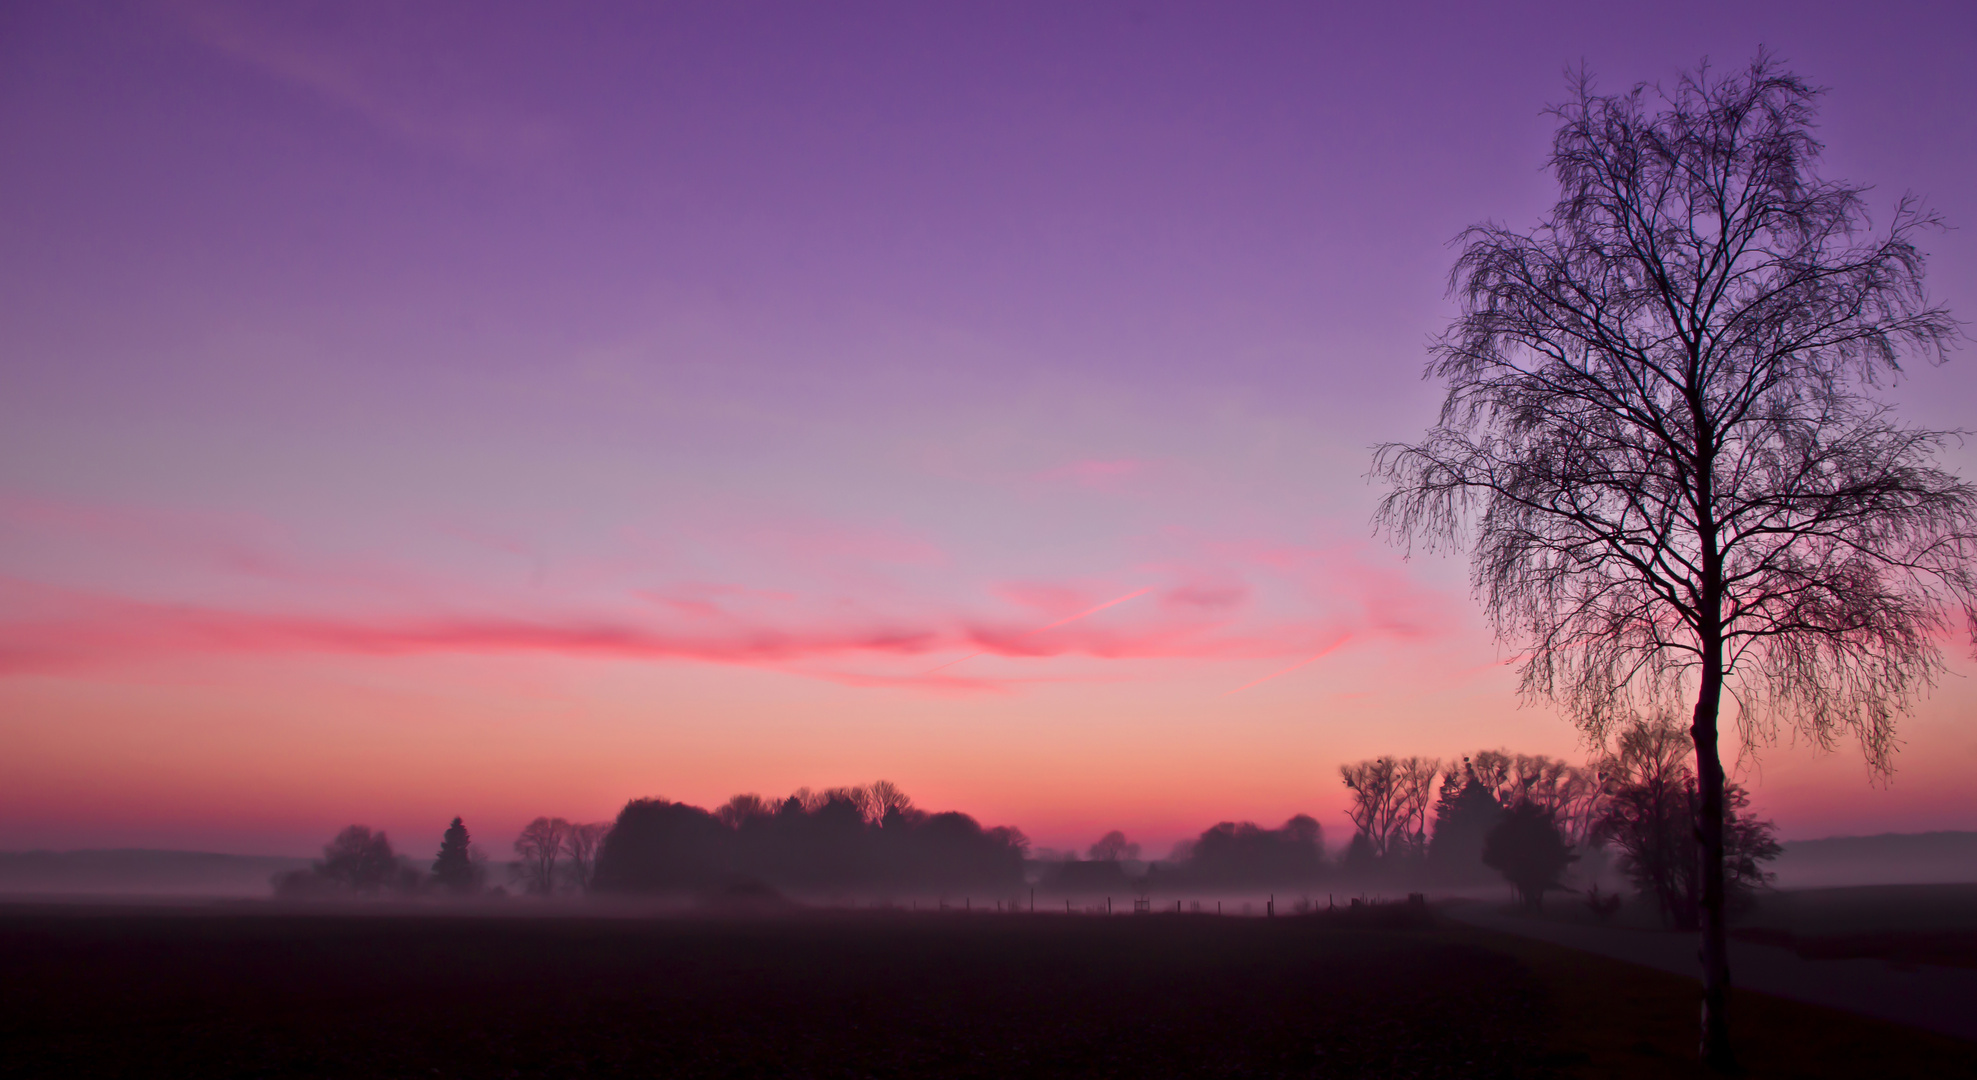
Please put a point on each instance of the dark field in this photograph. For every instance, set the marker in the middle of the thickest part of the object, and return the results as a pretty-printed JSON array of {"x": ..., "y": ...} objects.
[
  {"x": 1948, "y": 948},
  {"x": 1903, "y": 924},
  {"x": 126, "y": 993}
]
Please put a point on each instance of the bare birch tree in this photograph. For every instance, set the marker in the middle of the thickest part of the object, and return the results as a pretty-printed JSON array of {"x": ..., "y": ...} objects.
[
  {"x": 860, "y": 797},
  {"x": 539, "y": 848},
  {"x": 580, "y": 843},
  {"x": 743, "y": 808},
  {"x": 1414, "y": 797},
  {"x": 1375, "y": 809},
  {"x": 1661, "y": 441},
  {"x": 887, "y": 797}
]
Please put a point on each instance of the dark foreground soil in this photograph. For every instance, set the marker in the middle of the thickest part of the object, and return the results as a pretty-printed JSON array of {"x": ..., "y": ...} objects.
[
  {"x": 1901, "y": 924},
  {"x": 105, "y": 993},
  {"x": 1949, "y": 948}
]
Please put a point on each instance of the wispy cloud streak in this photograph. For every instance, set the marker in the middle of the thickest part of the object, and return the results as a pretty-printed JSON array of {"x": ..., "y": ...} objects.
[
  {"x": 1061, "y": 622},
  {"x": 79, "y": 630},
  {"x": 797, "y": 595},
  {"x": 1322, "y": 653}
]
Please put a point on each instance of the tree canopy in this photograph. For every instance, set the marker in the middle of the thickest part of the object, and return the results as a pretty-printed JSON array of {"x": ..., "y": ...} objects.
[{"x": 1663, "y": 445}]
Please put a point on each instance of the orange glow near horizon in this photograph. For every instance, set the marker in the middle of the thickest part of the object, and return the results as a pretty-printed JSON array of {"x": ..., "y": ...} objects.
[{"x": 206, "y": 755}]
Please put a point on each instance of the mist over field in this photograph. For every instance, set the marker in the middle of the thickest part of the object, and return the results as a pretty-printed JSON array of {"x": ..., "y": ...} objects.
[
  {"x": 140, "y": 872},
  {"x": 1887, "y": 859}
]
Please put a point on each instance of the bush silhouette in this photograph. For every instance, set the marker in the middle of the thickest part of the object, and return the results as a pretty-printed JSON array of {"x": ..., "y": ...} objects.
[{"x": 1526, "y": 847}]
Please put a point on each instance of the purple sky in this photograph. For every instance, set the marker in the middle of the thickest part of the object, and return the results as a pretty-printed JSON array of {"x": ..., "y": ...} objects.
[{"x": 652, "y": 397}]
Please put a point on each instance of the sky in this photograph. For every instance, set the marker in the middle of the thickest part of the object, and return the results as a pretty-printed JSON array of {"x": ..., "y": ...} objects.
[{"x": 502, "y": 409}]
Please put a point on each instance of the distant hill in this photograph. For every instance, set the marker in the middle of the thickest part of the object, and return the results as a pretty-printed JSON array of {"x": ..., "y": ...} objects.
[
  {"x": 1886, "y": 859},
  {"x": 139, "y": 872}
]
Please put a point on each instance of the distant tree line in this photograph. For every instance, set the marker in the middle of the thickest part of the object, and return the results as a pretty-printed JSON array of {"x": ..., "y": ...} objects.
[
  {"x": 357, "y": 862},
  {"x": 1418, "y": 822},
  {"x": 1528, "y": 818},
  {"x": 1242, "y": 854},
  {"x": 552, "y": 855},
  {"x": 842, "y": 840},
  {"x": 1226, "y": 857}
]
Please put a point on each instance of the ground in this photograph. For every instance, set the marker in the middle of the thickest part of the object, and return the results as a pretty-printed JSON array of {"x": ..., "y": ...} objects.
[
  {"x": 262, "y": 992},
  {"x": 1902, "y": 924}
]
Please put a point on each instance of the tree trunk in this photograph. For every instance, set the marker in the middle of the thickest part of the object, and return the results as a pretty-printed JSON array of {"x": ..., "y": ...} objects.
[{"x": 1716, "y": 1051}]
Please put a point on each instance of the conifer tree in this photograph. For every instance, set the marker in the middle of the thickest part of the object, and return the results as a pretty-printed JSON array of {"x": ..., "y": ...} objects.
[
  {"x": 1464, "y": 815},
  {"x": 454, "y": 869}
]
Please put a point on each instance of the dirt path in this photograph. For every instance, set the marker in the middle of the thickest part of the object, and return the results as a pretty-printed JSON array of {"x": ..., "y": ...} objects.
[{"x": 1939, "y": 999}]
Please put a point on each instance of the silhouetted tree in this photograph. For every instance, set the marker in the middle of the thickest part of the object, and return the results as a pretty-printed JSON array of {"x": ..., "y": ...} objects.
[
  {"x": 1651, "y": 819},
  {"x": 1661, "y": 423},
  {"x": 1245, "y": 854},
  {"x": 953, "y": 851},
  {"x": 1360, "y": 858},
  {"x": 1464, "y": 814},
  {"x": 858, "y": 798},
  {"x": 1113, "y": 847},
  {"x": 454, "y": 869},
  {"x": 823, "y": 845},
  {"x": 1102, "y": 871},
  {"x": 1375, "y": 808},
  {"x": 1390, "y": 800},
  {"x": 829, "y": 842},
  {"x": 742, "y": 809},
  {"x": 580, "y": 849},
  {"x": 661, "y": 846},
  {"x": 539, "y": 847},
  {"x": 1526, "y": 848},
  {"x": 887, "y": 797},
  {"x": 359, "y": 859},
  {"x": 1414, "y": 793},
  {"x": 1573, "y": 794}
]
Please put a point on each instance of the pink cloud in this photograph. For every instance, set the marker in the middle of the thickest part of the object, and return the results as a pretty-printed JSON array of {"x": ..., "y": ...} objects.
[
  {"x": 53, "y": 630},
  {"x": 66, "y": 629},
  {"x": 1320, "y": 655},
  {"x": 1206, "y": 599},
  {"x": 1353, "y": 579}
]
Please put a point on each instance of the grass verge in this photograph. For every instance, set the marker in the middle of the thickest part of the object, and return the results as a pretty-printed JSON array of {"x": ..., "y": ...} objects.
[{"x": 1618, "y": 1020}]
